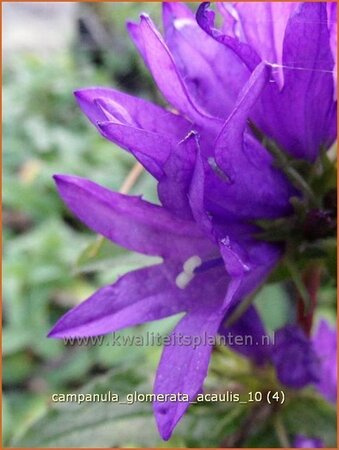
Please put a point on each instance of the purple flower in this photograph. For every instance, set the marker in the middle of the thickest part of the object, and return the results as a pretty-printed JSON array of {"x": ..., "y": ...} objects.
[
  {"x": 325, "y": 346},
  {"x": 294, "y": 358},
  {"x": 301, "y": 441},
  {"x": 214, "y": 179},
  {"x": 300, "y": 360},
  {"x": 297, "y": 359},
  {"x": 298, "y": 108}
]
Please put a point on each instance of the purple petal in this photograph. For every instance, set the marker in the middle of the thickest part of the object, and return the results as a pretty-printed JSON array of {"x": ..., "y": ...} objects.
[
  {"x": 178, "y": 170},
  {"x": 104, "y": 104},
  {"x": 185, "y": 358},
  {"x": 333, "y": 28},
  {"x": 196, "y": 196},
  {"x": 147, "y": 131},
  {"x": 151, "y": 149},
  {"x": 137, "y": 297},
  {"x": 263, "y": 27},
  {"x": 235, "y": 266},
  {"x": 184, "y": 362},
  {"x": 245, "y": 52},
  {"x": 251, "y": 180},
  {"x": 308, "y": 85},
  {"x": 163, "y": 68},
  {"x": 202, "y": 61},
  {"x": 229, "y": 19},
  {"x": 294, "y": 358},
  {"x": 174, "y": 10},
  {"x": 246, "y": 259},
  {"x": 325, "y": 346},
  {"x": 183, "y": 365},
  {"x": 130, "y": 221}
]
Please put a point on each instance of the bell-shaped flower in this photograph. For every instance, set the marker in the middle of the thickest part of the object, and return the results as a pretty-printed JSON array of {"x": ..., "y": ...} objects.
[{"x": 214, "y": 180}]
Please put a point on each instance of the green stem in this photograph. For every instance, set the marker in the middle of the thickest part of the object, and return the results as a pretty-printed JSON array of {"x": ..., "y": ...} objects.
[{"x": 281, "y": 432}]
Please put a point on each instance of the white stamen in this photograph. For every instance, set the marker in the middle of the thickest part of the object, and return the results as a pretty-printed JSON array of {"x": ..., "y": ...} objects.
[
  {"x": 191, "y": 264},
  {"x": 183, "y": 279},
  {"x": 187, "y": 275}
]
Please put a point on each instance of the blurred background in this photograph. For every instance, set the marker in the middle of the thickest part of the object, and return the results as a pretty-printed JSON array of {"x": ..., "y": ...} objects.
[{"x": 52, "y": 262}]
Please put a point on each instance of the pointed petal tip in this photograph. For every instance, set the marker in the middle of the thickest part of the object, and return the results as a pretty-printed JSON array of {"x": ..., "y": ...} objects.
[
  {"x": 130, "y": 25},
  {"x": 166, "y": 435},
  {"x": 166, "y": 422},
  {"x": 165, "y": 428},
  {"x": 50, "y": 334},
  {"x": 103, "y": 126},
  {"x": 144, "y": 16},
  {"x": 147, "y": 22},
  {"x": 81, "y": 94},
  {"x": 63, "y": 182},
  {"x": 86, "y": 94},
  {"x": 133, "y": 27},
  {"x": 54, "y": 333},
  {"x": 58, "y": 332},
  {"x": 60, "y": 178},
  {"x": 78, "y": 93}
]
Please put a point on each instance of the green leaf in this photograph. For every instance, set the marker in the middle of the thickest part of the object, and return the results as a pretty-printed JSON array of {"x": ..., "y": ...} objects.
[
  {"x": 13, "y": 340},
  {"x": 273, "y": 304},
  {"x": 17, "y": 367},
  {"x": 20, "y": 411}
]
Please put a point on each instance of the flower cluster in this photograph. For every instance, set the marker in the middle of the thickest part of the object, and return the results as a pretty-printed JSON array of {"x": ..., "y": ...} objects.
[{"x": 246, "y": 101}]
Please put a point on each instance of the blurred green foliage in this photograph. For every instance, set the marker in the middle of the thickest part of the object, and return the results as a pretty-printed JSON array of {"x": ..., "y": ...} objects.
[
  {"x": 47, "y": 268},
  {"x": 44, "y": 132}
]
